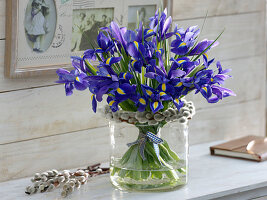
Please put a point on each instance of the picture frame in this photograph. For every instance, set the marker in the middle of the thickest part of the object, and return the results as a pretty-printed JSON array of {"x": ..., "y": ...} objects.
[
  {"x": 96, "y": 14},
  {"x": 37, "y": 34},
  {"x": 40, "y": 38},
  {"x": 144, "y": 10}
]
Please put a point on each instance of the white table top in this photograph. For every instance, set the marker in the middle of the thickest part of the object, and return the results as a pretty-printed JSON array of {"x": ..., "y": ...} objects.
[{"x": 209, "y": 177}]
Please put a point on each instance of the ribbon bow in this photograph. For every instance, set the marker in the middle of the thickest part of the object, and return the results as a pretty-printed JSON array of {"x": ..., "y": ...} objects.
[{"x": 142, "y": 141}]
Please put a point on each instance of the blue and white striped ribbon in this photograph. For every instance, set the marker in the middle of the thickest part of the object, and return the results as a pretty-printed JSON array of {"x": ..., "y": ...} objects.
[
  {"x": 154, "y": 138},
  {"x": 142, "y": 142}
]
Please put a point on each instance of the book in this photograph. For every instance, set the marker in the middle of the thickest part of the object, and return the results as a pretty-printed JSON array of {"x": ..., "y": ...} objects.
[{"x": 250, "y": 147}]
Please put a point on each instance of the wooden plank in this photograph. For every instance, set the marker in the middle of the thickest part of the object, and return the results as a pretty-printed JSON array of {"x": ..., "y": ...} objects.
[
  {"x": 248, "y": 82},
  {"x": 7, "y": 84},
  {"x": 2, "y": 18},
  {"x": 61, "y": 152},
  {"x": 188, "y": 9},
  {"x": 45, "y": 111},
  {"x": 244, "y": 34},
  {"x": 228, "y": 122},
  {"x": 89, "y": 146}
]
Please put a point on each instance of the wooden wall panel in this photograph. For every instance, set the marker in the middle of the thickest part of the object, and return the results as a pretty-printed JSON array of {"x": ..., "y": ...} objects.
[
  {"x": 244, "y": 82},
  {"x": 89, "y": 146},
  {"x": 7, "y": 84},
  {"x": 198, "y": 8},
  {"x": 45, "y": 111},
  {"x": 228, "y": 121},
  {"x": 65, "y": 151},
  {"x": 2, "y": 18},
  {"x": 240, "y": 38}
]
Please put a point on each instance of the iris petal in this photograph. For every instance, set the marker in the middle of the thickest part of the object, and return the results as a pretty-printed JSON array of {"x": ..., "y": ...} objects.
[{"x": 156, "y": 106}]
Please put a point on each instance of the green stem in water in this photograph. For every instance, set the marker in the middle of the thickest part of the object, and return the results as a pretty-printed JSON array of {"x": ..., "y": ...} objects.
[{"x": 132, "y": 166}]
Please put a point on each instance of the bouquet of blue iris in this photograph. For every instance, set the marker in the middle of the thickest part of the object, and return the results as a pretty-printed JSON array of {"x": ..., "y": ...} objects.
[{"x": 145, "y": 82}]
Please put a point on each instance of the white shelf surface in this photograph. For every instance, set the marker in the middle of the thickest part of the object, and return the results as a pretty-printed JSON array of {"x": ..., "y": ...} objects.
[{"x": 209, "y": 177}]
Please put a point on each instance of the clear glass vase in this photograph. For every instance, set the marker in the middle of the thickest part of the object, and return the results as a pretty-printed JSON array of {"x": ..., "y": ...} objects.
[{"x": 132, "y": 170}]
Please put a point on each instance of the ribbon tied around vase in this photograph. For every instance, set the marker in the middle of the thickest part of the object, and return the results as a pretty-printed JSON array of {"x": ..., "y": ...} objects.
[{"x": 142, "y": 142}]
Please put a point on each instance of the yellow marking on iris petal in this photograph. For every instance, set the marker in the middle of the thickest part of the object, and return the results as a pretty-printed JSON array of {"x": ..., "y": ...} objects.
[
  {"x": 92, "y": 97},
  {"x": 124, "y": 76},
  {"x": 163, "y": 87},
  {"x": 205, "y": 89},
  {"x": 98, "y": 48},
  {"x": 159, "y": 50},
  {"x": 108, "y": 61},
  {"x": 182, "y": 44},
  {"x": 211, "y": 79},
  {"x": 150, "y": 31},
  {"x": 181, "y": 61},
  {"x": 149, "y": 92},
  {"x": 205, "y": 55},
  {"x": 134, "y": 61},
  {"x": 142, "y": 101},
  {"x": 179, "y": 84},
  {"x": 162, "y": 94},
  {"x": 111, "y": 103},
  {"x": 177, "y": 100},
  {"x": 136, "y": 44},
  {"x": 108, "y": 75},
  {"x": 155, "y": 105},
  {"x": 120, "y": 91},
  {"x": 77, "y": 79},
  {"x": 178, "y": 35}
]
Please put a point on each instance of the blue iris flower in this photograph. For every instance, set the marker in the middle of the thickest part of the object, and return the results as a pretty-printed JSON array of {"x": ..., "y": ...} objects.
[
  {"x": 104, "y": 42},
  {"x": 205, "y": 81},
  {"x": 106, "y": 79},
  {"x": 72, "y": 79},
  {"x": 156, "y": 97},
  {"x": 161, "y": 24},
  {"x": 184, "y": 40}
]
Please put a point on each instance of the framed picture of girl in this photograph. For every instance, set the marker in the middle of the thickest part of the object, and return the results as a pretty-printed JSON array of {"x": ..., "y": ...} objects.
[{"x": 38, "y": 36}]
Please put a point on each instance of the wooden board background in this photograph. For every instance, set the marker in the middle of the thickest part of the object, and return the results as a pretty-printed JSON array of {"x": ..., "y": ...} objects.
[{"x": 41, "y": 129}]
